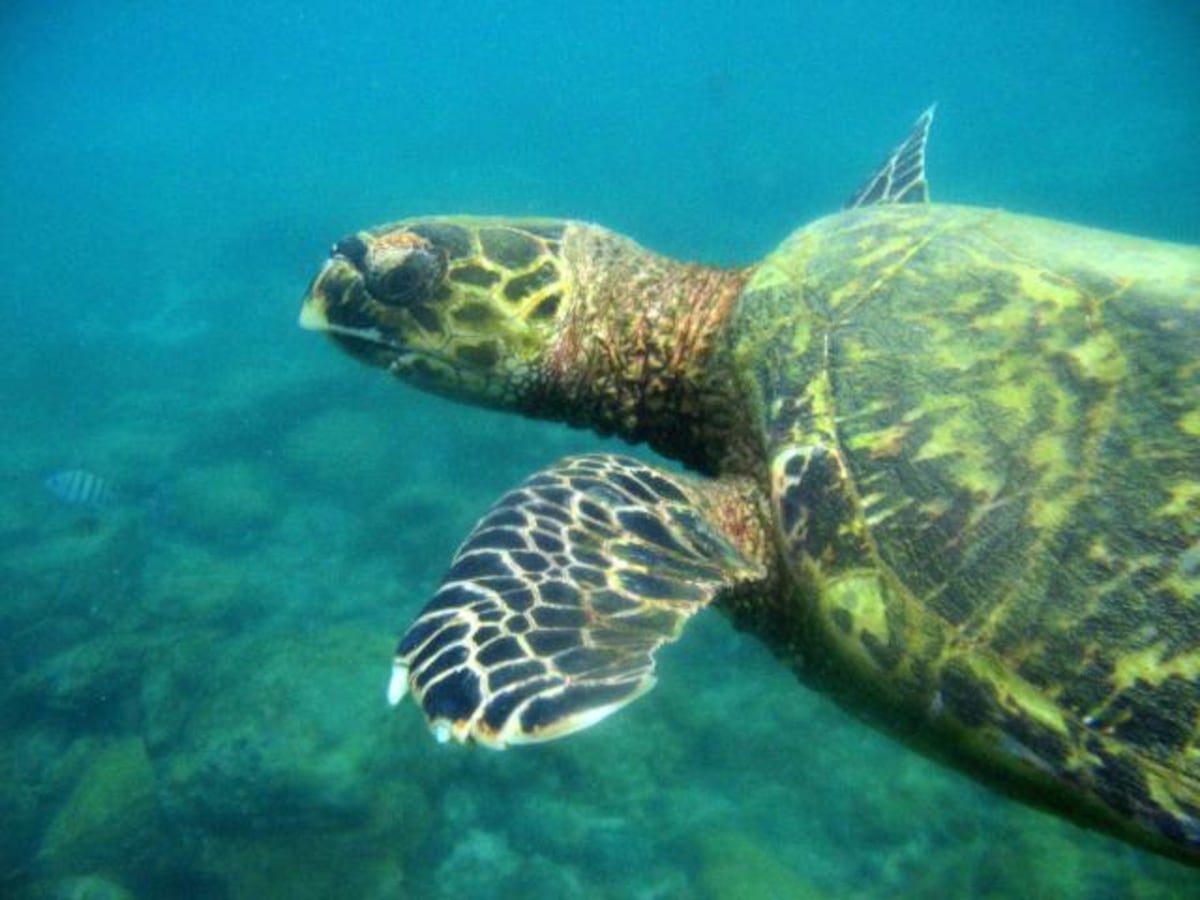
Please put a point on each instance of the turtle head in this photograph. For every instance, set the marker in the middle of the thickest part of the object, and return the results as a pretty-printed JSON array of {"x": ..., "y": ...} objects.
[
  {"x": 555, "y": 319},
  {"x": 462, "y": 306}
]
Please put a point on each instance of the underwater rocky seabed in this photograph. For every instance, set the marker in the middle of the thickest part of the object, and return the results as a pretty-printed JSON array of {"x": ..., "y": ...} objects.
[{"x": 193, "y": 681}]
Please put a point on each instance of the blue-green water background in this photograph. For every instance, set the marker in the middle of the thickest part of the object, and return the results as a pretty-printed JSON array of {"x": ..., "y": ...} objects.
[{"x": 192, "y": 683}]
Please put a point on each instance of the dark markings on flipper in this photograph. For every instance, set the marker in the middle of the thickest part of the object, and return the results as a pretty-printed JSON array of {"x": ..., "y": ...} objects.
[
  {"x": 901, "y": 178},
  {"x": 552, "y": 609}
]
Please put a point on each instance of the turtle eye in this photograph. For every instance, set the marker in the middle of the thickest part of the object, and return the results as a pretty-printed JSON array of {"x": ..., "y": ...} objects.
[
  {"x": 409, "y": 279},
  {"x": 351, "y": 248}
]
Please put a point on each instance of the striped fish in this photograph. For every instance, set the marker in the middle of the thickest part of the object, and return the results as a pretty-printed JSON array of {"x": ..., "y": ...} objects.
[{"x": 79, "y": 487}]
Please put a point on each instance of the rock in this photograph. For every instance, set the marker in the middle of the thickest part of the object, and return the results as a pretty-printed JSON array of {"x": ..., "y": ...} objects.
[
  {"x": 364, "y": 861},
  {"x": 192, "y": 587},
  {"x": 177, "y": 669},
  {"x": 736, "y": 867},
  {"x": 571, "y": 830},
  {"x": 481, "y": 865},
  {"x": 231, "y": 504},
  {"x": 86, "y": 566},
  {"x": 341, "y": 450},
  {"x": 271, "y": 731},
  {"x": 39, "y": 766},
  {"x": 542, "y": 877},
  {"x": 89, "y": 681},
  {"x": 82, "y": 887},
  {"x": 110, "y": 820},
  {"x": 16, "y": 520},
  {"x": 280, "y": 758}
]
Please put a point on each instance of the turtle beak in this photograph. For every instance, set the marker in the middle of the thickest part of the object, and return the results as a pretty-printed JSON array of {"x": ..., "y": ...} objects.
[
  {"x": 337, "y": 305},
  {"x": 312, "y": 315},
  {"x": 314, "y": 311}
]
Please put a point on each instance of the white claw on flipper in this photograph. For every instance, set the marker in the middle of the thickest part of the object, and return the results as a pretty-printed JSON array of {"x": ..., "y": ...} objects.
[
  {"x": 441, "y": 730},
  {"x": 398, "y": 684}
]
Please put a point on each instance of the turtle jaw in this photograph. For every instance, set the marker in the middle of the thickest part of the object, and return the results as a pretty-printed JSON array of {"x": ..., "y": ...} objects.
[
  {"x": 338, "y": 304},
  {"x": 314, "y": 315}
]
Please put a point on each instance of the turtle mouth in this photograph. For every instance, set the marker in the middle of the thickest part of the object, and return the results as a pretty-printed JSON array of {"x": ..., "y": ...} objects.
[
  {"x": 336, "y": 302},
  {"x": 340, "y": 304},
  {"x": 313, "y": 318}
]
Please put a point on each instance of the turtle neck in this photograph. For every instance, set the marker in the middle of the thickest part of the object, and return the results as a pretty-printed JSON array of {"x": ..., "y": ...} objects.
[{"x": 635, "y": 355}]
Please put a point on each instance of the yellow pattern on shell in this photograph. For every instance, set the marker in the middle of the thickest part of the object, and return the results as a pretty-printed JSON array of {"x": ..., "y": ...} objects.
[{"x": 996, "y": 526}]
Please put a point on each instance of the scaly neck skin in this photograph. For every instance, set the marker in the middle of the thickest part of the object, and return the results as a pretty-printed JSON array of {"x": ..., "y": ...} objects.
[{"x": 638, "y": 351}]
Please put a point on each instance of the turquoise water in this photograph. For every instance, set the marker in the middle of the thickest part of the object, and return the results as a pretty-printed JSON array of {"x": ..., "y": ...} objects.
[{"x": 192, "y": 693}]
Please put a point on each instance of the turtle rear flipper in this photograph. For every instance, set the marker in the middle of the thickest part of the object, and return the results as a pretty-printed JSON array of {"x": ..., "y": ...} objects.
[
  {"x": 901, "y": 178},
  {"x": 552, "y": 609}
]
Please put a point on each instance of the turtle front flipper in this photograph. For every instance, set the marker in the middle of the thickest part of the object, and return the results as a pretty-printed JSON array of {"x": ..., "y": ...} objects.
[{"x": 551, "y": 612}]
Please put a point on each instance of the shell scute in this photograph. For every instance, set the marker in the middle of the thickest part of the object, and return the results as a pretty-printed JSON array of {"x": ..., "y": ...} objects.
[{"x": 986, "y": 478}]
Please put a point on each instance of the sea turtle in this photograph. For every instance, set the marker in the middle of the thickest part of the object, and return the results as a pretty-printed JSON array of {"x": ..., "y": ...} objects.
[{"x": 949, "y": 471}]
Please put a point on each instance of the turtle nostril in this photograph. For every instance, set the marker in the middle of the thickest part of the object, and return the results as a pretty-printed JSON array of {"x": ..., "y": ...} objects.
[{"x": 353, "y": 249}]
